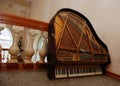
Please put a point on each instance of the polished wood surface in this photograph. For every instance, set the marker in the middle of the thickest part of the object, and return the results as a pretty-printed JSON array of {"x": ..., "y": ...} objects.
[
  {"x": 113, "y": 75},
  {"x": 22, "y": 21}
]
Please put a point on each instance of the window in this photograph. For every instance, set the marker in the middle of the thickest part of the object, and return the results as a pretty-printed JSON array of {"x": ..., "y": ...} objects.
[{"x": 6, "y": 40}]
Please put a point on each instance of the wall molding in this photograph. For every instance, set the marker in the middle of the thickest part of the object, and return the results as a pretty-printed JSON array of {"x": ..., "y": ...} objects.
[{"x": 113, "y": 75}]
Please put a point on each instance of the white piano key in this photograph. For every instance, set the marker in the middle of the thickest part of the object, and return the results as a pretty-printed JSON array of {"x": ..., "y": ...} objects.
[{"x": 75, "y": 71}]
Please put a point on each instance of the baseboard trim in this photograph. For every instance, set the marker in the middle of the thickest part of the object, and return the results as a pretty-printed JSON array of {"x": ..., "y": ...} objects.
[{"x": 113, "y": 75}]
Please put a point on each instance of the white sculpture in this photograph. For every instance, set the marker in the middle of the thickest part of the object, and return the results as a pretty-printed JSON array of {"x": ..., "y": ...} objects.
[
  {"x": 14, "y": 49},
  {"x": 29, "y": 52},
  {"x": 43, "y": 50}
]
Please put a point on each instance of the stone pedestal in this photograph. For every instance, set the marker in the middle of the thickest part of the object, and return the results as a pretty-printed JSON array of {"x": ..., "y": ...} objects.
[
  {"x": 12, "y": 65},
  {"x": 41, "y": 65},
  {"x": 28, "y": 64}
]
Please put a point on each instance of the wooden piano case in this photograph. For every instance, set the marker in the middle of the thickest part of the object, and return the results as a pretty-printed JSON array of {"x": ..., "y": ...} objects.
[{"x": 74, "y": 49}]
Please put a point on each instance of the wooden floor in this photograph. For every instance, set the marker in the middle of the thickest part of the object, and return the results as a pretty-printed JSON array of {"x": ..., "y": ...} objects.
[{"x": 39, "y": 78}]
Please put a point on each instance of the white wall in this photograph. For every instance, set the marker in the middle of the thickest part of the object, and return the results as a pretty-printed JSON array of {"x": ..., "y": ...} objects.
[
  {"x": 16, "y": 7},
  {"x": 103, "y": 14}
]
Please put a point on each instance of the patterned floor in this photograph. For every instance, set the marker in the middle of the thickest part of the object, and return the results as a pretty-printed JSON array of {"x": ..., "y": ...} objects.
[{"x": 38, "y": 78}]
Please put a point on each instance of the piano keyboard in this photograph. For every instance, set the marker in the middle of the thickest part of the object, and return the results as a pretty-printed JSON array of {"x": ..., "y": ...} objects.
[
  {"x": 60, "y": 72},
  {"x": 75, "y": 71}
]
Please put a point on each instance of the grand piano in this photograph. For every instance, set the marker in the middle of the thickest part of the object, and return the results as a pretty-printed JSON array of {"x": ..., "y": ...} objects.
[{"x": 74, "y": 48}]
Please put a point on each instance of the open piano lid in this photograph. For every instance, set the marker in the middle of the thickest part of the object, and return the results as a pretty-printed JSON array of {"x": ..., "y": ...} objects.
[{"x": 73, "y": 40}]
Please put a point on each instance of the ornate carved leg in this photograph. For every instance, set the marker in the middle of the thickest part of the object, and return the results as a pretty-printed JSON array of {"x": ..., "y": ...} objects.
[{"x": 29, "y": 52}]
